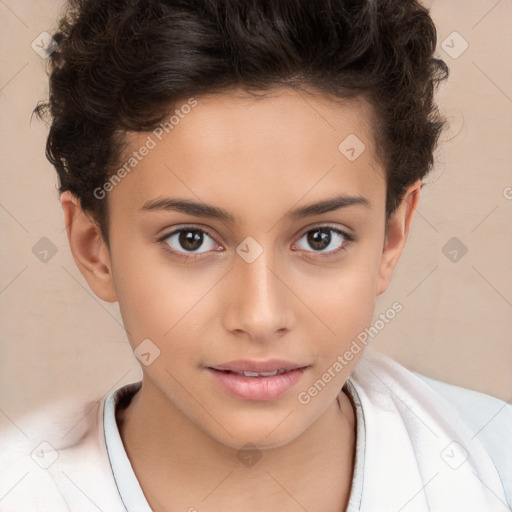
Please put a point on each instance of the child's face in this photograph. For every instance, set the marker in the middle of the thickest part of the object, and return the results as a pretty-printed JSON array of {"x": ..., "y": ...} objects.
[{"x": 216, "y": 300}]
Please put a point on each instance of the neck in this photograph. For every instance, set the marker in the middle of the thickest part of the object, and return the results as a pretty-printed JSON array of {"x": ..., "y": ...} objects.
[{"x": 179, "y": 466}]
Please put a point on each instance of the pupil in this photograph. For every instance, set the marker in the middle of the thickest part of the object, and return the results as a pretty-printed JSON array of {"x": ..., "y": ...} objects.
[
  {"x": 191, "y": 240},
  {"x": 319, "y": 239}
]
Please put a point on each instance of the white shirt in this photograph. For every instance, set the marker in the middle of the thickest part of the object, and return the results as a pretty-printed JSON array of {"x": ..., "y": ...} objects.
[{"x": 421, "y": 444}]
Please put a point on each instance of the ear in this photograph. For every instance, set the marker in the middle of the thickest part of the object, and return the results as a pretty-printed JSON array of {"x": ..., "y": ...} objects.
[
  {"x": 397, "y": 233},
  {"x": 89, "y": 250}
]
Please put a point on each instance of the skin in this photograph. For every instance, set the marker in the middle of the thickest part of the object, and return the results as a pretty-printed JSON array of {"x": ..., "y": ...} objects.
[{"x": 257, "y": 159}]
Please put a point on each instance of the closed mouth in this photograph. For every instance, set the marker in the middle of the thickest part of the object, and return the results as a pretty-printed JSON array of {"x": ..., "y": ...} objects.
[{"x": 247, "y": 373}]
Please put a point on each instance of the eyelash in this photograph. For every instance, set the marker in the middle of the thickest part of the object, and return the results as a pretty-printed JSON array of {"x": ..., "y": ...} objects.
[{"x": 348, "y": 240}]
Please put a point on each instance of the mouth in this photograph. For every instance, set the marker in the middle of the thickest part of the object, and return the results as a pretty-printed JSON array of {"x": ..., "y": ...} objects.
[
  {"x": 271, "y": 367},
  {"x": 257, "y": 381},
  {"x": 247, "y": 373}
]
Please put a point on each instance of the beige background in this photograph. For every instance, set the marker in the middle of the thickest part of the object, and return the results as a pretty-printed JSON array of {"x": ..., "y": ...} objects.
[{"x": 60, "y": 341}]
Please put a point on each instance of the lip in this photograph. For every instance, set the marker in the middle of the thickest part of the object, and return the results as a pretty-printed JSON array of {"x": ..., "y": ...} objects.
[
  {"x": 257, "y": 388},
  {"x": 246, "y": 365}
]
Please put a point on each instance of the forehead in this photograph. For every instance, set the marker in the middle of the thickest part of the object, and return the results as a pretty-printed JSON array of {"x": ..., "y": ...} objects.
[{"x": 279, "y": 147}]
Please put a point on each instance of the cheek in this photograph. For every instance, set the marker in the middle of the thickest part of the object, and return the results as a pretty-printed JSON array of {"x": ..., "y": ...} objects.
[
  {"x": 347, "y": 310},
  {"x": 343, "y": 296},
  {"x": 156, "y": 298},
  {"x": 343, "y": 301}
]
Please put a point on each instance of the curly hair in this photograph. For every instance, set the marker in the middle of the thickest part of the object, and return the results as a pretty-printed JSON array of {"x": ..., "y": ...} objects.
[{"x": 123, "y": 65}]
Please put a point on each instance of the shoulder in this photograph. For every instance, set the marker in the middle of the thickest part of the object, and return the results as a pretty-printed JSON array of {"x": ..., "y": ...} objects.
[
  {"x": 55, "y": 459},
  {"x": 488, "y": 417},
  {"x": 426, "y": 428},
  {"x": 482, "y": 412}
]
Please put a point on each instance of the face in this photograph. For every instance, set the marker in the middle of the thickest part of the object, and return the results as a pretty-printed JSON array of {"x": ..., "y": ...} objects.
[{"x": 247, "y": 240}]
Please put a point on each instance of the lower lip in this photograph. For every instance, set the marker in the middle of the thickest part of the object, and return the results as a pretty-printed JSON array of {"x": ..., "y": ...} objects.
[{"x": 257, "y": 389}]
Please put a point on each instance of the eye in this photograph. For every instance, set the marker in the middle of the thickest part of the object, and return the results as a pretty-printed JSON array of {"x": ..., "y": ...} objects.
[
  {"x": 324, "y": 239},
  {"x": 190, "y": 240}
]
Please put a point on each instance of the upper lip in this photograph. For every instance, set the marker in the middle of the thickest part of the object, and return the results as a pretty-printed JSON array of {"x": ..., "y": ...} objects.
[{"x": 258, "y": 366}]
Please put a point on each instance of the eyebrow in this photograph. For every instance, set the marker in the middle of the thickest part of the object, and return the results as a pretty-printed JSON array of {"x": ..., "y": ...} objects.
[{"x": 200, "y": 209}]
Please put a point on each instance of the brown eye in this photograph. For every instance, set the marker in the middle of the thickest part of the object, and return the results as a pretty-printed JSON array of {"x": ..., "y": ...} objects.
[
  {"x": 323, "y": 240},
  {"x": 190, "y": 241},
  {"x": 319, "y": 239}
]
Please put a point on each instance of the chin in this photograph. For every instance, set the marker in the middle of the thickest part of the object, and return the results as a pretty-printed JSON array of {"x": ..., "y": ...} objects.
[{"x": 264, "y": 431}]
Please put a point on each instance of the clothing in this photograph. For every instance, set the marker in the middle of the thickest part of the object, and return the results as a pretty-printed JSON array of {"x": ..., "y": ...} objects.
[{"x": 414, "y": 451}]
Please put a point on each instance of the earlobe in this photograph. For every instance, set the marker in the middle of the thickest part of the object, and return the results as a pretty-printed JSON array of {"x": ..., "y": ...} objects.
[
  {"x": 398, "y": 230},
  {"x": 88, "y": 248}
]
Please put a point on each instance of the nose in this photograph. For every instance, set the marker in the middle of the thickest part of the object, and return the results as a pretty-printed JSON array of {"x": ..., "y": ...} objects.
[{"x": 257, "y": 302}]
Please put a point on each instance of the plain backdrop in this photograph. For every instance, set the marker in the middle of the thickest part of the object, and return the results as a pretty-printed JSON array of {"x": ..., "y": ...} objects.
[{"x": 59, "y": 341}]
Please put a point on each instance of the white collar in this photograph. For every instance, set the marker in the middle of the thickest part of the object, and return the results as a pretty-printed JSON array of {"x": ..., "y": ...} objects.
[{"x": 127, "y": 484}]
